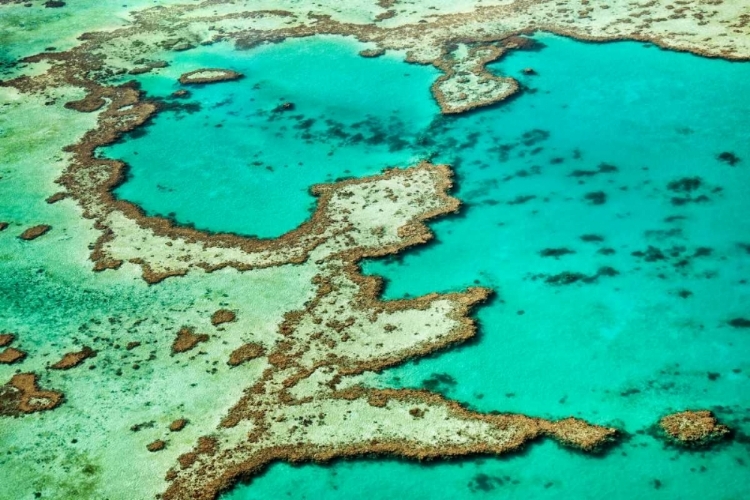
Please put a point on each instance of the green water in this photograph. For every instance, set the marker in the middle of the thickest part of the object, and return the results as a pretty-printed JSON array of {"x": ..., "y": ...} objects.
[
  {"x": 595, "y": 147},
  {"x": 28, "y": 30}
]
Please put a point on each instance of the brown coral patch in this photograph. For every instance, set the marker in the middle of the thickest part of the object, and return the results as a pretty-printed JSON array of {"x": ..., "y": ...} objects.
[
  {"x": 22, "y": 395},
  {"x": 222, "y": 316},
  {"x": 377, "y": 52},
  {"x": 417, "y": 412},
  {"x": 6, "y": 339},
  {"x": 35, "y": 232},
  {"x": 11, "y": 355},
  {"x": 73, "y": 359},
  {"x": 92, "y": 102},
  {"x": 178, "y": 425},
  {"x": 140, "y": 70},
  {"x": 3, "y": 225},
  {"x": 693, "y": 429},
  {"x": 187, "y": 339},
  {"x": 56, "y": 197},
  {"x": 206, "y": 446},
  {"x": 245, "y": 353},
  {"x": 157, "y": 445}
]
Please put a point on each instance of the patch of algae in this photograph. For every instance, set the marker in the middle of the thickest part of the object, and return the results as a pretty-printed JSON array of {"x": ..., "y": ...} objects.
[{"x": 300, "y": 298}]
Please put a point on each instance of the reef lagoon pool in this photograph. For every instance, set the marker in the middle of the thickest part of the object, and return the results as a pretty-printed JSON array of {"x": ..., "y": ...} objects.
[
  {"x": 241, "y": 156},
  {"x": 606, "y": 205}
]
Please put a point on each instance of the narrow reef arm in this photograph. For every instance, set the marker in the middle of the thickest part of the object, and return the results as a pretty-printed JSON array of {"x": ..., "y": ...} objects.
[{"x": 359, "y": 421}]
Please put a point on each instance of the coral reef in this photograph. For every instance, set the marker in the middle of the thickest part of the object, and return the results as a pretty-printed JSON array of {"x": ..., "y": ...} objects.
[
  {"x": 35, "y": 232},
  {"x": 690, "y": 428},
  {"x": 209, "y": 75},
  {"x": 22, "y": 395},
  {"x": 305, "y": 402},
  {"x": 73, "y": 359},
  {"x": 187, "y": 339},
  {"x": 11, "y": 355}
]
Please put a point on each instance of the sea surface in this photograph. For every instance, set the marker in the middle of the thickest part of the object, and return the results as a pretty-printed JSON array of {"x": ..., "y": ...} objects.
[{"x": 607, "y": 205}]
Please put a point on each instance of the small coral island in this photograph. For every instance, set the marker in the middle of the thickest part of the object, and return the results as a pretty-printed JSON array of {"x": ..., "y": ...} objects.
[
  {"x": 210, "y": 75},
  {"x": 693, "y": 429}
]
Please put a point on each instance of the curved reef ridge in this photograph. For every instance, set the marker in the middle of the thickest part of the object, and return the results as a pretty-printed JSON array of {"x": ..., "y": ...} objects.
[{"x": 303, "y": 401}]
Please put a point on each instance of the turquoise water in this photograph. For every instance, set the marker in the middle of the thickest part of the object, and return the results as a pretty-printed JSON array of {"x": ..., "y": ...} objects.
[
  {"x": 609, "y": 165},
  {"x": 241, "y": 164}
]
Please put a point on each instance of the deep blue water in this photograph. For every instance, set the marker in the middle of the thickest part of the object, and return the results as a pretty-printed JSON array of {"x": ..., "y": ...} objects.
[{"x": 607, "y": 165}]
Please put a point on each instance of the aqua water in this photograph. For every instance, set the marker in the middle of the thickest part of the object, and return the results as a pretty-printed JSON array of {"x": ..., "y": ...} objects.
[{"x": 605, "y": 205}]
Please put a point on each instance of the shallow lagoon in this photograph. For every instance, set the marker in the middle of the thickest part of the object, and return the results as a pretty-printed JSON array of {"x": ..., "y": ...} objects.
[
  {"x": 244, "y": 164},
  {"x": 596, "y": 147}
]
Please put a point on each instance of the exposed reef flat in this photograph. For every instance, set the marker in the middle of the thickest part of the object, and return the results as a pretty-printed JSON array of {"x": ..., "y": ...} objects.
[
  {"x": 222, "y": 316},
  {"x": 306, "y": 379},
  {"x": 210, "y": 75},
  {"x": 693, "y": 429},
  {"x": 22, "y": 395},
  {"x": 186, "y": 340},
  {"x": 295, "y": 394}
]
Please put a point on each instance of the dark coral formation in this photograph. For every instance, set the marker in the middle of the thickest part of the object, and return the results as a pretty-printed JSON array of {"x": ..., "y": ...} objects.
[
  {"x": 603, "y": 168},
  {"x": 245, "y": 353},
  {"x": 35, "y": 232},
  {"x": 11, "y": 355},
  {"x": 596, "y": 198},
  {"x": 56, "y": 197},
  {"x": 739, "y": 322},
  {"x": 90, "y": 103},
  {"x": 729, "y": 158},
  {"x": 570, "y": 277},
  {"x": 6, "y": 339},
  {"x": 22, "y": 395},
  {"x": 685, "y": 184},
  {"x": 187, "y": 339},
  {"x": 157, "y": 445},
  {"x": 178, "y": 425},
  {"x": 689, "y": 190},
  {"x": 73, "y": 359},
  {"x": 555, "y": 252},
  {"x": 223, "y": 316},
  {"x": 592, "y": 238}
]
